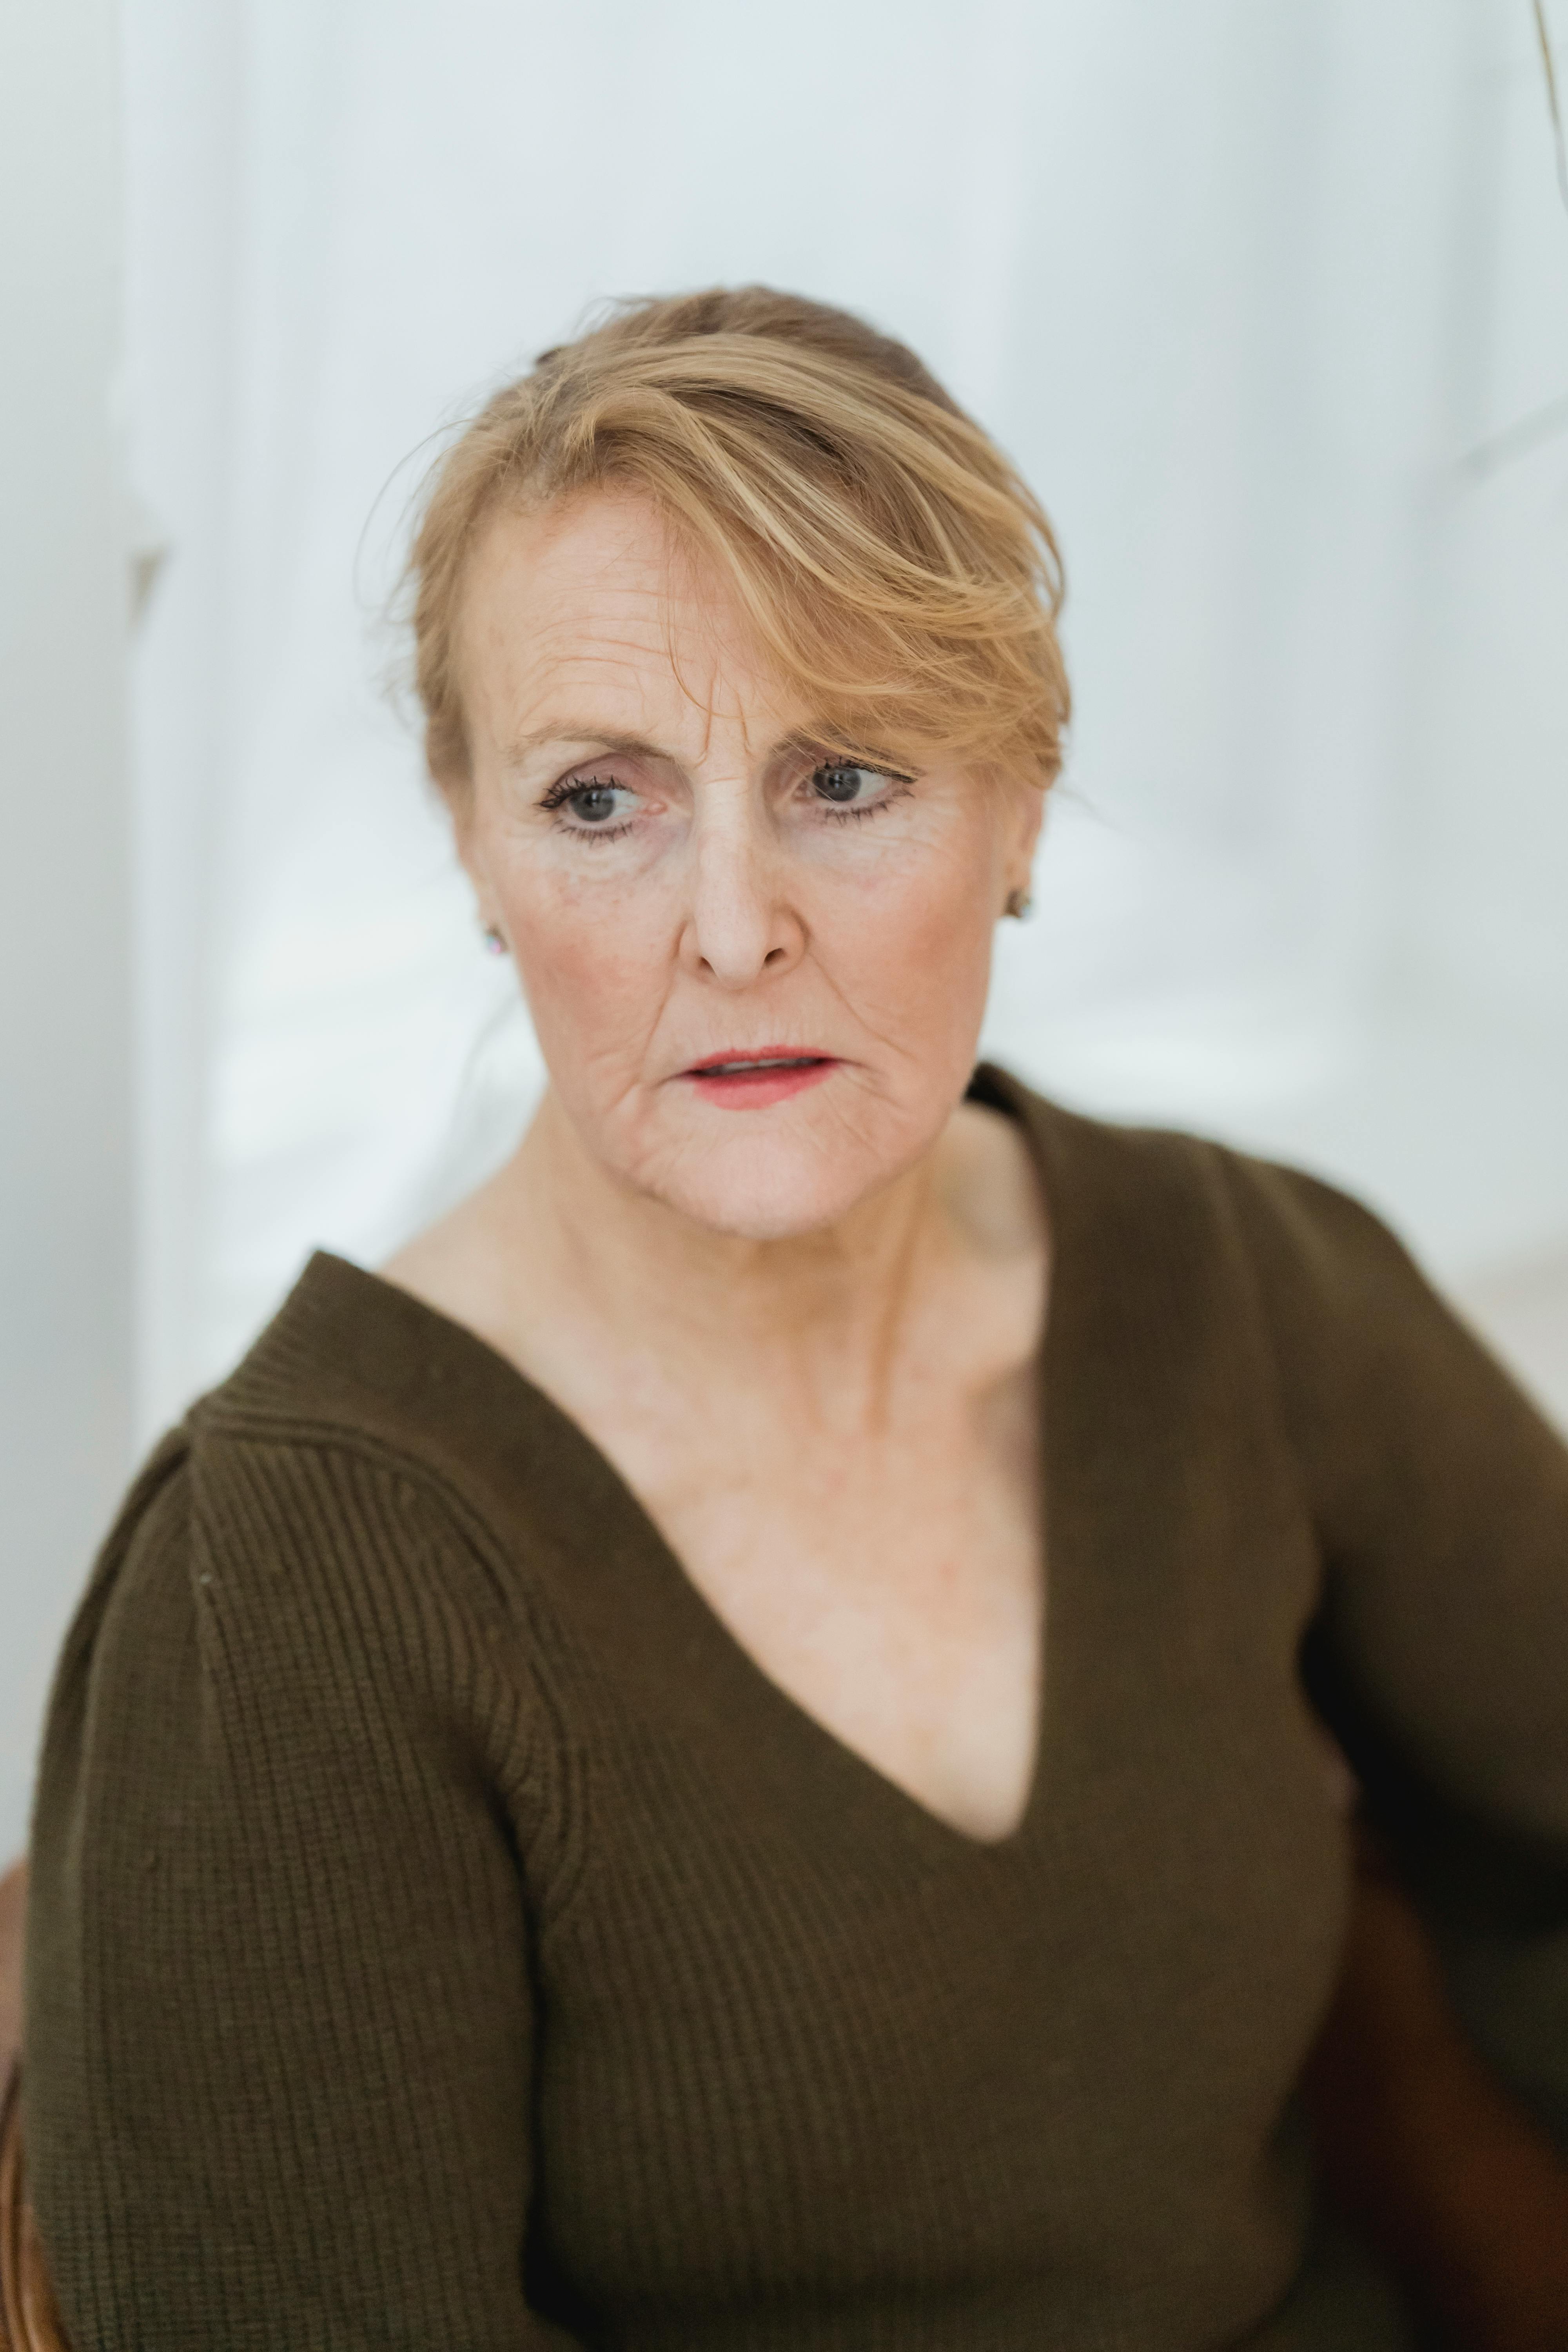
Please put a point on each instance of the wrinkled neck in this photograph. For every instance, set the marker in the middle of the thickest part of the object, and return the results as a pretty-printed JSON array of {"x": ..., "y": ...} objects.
[{"x": 826, "y": 1306}]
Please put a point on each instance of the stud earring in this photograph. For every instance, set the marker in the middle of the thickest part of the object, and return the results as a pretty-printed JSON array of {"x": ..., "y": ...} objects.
[
  {"x": 1019, "y": 905},
  {"x": 493, "y": 940}
]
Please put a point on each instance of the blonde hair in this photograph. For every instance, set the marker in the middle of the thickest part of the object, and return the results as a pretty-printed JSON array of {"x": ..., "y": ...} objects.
[{"x": 896, "y": 569}]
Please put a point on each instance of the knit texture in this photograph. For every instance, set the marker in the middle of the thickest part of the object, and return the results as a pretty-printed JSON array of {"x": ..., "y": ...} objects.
[{"x": 443, "y": 1935}]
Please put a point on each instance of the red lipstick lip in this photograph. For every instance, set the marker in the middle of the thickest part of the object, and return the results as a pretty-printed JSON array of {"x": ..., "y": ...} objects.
[{"x": 758, "y": 1080}]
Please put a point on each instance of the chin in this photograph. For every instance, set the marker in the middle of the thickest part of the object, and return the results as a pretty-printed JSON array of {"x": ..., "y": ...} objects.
[{"x": 773, "y": 1188}]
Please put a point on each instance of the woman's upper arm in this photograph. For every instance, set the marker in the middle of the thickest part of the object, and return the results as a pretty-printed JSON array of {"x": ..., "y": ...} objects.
[
  {"x": 278, "y": 2027},
  {"x": 1440, "y": 1656}
]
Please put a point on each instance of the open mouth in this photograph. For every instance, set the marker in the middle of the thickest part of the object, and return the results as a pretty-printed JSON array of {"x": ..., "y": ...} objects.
[
  {"x": 755, "y": 1062},
  {"x": 755, "y": 1080}
]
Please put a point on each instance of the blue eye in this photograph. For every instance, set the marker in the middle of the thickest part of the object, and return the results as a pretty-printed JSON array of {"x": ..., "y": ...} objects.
[
  {"x": 593, "y": 804},
  {"x": 842, "y": 783},
  {"x": 849, "y": 788}
]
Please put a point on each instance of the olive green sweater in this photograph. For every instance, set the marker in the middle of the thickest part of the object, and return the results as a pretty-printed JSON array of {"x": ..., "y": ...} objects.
[{"x": 444, "y": 1936}]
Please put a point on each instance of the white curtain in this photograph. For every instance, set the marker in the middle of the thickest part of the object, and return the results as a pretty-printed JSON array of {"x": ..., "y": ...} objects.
[{"x": 1272, "y": 305}]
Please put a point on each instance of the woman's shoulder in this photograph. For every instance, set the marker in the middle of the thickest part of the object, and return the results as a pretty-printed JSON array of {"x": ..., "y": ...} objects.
[
  {"x": 296, "y": 1584},
  {"x": 349, "y": 1356},
  {"x": 1169, "y": 1237},
  {"x": 342, "y": 1477},
  {"x": 1169, "y": 1191},
  {"x": 299, "y": 1589},
  {"x": 356, "y": 1383}
]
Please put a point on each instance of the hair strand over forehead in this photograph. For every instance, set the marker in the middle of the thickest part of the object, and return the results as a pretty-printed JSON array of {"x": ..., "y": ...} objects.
[{"x": 895, "y": 567}]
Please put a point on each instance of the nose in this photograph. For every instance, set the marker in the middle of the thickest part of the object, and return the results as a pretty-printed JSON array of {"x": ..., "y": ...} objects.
[{"x": 740, "y": 924}]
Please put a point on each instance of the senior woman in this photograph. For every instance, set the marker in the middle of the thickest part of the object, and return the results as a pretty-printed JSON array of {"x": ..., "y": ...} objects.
[{"x": 716, "y": 1757}]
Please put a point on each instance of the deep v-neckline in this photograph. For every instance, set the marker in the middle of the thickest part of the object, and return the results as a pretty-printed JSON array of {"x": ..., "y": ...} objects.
[{"x": 702, "y": 1636}]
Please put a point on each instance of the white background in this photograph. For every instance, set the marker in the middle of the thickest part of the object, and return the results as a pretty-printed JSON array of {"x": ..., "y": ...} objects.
[{"x": 1270, "y": 304}]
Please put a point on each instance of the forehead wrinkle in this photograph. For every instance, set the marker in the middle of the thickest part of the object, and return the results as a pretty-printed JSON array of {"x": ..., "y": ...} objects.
[
  {"x": 736, "y": 688},
  {"x": 624, "y": 625},
  {"x": 610, "y": 696},
  {"x": 600, "y": 694}
]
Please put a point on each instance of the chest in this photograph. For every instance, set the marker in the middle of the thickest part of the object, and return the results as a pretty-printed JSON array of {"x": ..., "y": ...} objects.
[
  {"x": 884, "y": 2061},
  {"x": 889, "y": 1579},
  {"x": 868, "y": 2051}
]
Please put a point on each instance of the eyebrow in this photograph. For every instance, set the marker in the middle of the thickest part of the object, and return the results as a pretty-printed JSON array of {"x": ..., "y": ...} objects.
[
  {"x": 563, "y": 730},
  {"x": 636, "y": 747}
]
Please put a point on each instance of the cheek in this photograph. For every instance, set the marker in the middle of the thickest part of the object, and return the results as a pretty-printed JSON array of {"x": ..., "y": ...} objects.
[
  {"x": 917, "y": 944},
  {"x": 594, "y": 963},
  {"x": 901, "y": 937}
]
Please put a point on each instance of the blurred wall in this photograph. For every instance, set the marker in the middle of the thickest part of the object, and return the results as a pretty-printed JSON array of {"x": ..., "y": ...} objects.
[
  {"x": 65, "y": 1013},
  {"x": 1251, "y": 294}
]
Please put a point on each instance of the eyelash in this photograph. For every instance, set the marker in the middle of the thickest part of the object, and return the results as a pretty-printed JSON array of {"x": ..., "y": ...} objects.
[
  {"x": 569, "y": 787},
  {"x": 905, "y": 786}
]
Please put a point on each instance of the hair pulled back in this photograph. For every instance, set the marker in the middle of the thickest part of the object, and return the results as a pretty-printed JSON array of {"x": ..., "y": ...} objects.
[{"x": 896, "y": 569}]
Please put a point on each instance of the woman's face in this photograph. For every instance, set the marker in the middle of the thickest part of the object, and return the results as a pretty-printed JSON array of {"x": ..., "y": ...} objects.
[{"x": 756, "y": 969}]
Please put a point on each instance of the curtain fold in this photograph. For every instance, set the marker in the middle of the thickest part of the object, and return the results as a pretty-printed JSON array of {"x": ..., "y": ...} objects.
[{"x": 1239, "y": 288}]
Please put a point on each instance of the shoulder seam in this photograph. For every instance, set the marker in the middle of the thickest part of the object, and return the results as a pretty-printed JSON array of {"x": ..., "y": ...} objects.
[
  {"x": 311, "y": 1435},
  {"x": 479, "y": 1539}
]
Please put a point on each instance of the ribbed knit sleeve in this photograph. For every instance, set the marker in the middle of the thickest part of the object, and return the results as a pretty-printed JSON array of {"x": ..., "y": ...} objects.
[
  {"x": 280, "y": 2039},
  {"x": 444, "y": 1934},
  {"x": 1440, "y": 1497}
]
